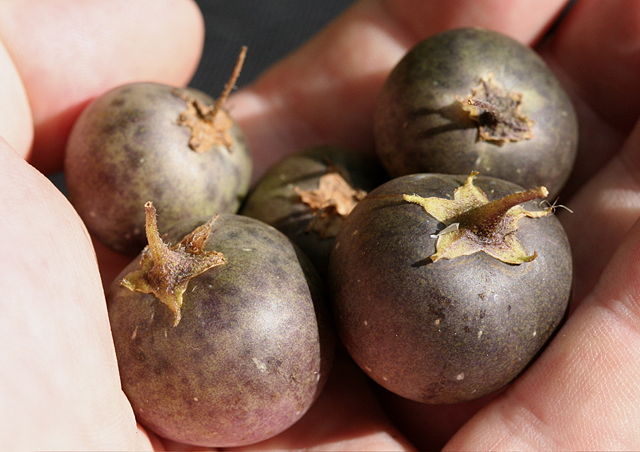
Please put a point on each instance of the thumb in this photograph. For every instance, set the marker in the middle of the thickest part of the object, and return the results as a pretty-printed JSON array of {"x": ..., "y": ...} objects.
[{"x": 60, "y": 381}]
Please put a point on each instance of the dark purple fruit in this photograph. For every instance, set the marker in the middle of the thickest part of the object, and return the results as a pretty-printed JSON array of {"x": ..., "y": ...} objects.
[
  {"x": 307, "y": 195},
  {"x": 446, "y": 306},
  {"x": 148, "y": 141},
  {"x": 476, "y": 100},
  {"x": 220, "y": 339}
]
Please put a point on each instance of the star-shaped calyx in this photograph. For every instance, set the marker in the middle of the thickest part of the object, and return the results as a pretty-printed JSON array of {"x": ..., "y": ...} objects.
[
  {"x": 473, "y": 223},
  {"x": 497, "y": 112},
  {"x": 210, "y": 125},
  {"x": 165, "y": 271},
  {"x": 331, "y": 202}
]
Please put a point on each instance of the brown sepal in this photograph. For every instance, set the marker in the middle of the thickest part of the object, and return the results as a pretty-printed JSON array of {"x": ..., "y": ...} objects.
[{"x": 331, "y": 202}]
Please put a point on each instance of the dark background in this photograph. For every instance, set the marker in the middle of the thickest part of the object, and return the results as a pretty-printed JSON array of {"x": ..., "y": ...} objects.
[{"x": 269, "y": 28}]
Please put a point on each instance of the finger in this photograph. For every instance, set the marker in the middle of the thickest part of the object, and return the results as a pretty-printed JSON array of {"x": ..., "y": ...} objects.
[
  {"x": 326, "y": 91},
  {"x": 68, "y": 52},
  {"x": 429, "y": 427},
  {"x": 582, "y": 392},
  {"x": 60, "y": 379},
  {"x": 604, "y": 211},
  {"x": 603, "y": 36},
  {"x": 16, "y": 125},
  {"x": 345, "y": 417},
  {"x": 594, "y": 51}
]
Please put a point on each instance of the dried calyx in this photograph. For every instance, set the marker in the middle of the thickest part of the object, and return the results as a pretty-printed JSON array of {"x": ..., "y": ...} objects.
[
  {"x": 165, "y": 271},
  {"x": 210, "y": 126},
  {"x": 331, "y": 202},
  {"x": 473, "y": 223},
  {"x": 497, "y": 112}
]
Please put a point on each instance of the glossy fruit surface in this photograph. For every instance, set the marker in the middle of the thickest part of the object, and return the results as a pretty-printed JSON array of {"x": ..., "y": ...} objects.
[
  {"x": 136, "y": 144},
  {"x": 475, "y": 100},
  {"x": 453, "y": 329},
  {"x": 248, "y": 353}
]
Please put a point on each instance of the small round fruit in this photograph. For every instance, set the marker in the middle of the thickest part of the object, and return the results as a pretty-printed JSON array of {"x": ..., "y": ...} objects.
[
  {"x": 307, "y": 195},
  {"x": 475, "y": 100},
  {"x": 442, "y": 296},
  {"x": 220, "y": 339},
  {"x": 148, "y": 141}
]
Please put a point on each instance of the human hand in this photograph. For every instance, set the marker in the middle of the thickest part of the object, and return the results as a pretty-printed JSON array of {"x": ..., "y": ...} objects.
[
  {"x": 579, "y": 394},
  {"x": 60, "y": 382}
]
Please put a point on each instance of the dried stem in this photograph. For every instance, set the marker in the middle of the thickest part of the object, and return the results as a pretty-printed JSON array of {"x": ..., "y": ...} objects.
[{"x": 231, "y": 83}]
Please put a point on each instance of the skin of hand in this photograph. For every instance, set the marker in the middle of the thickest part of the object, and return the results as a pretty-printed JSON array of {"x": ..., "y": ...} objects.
[{"x": 60, "y": 381}]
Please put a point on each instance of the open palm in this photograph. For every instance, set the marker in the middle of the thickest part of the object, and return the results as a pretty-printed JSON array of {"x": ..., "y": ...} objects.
[{"x": 60, "y": 380}]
